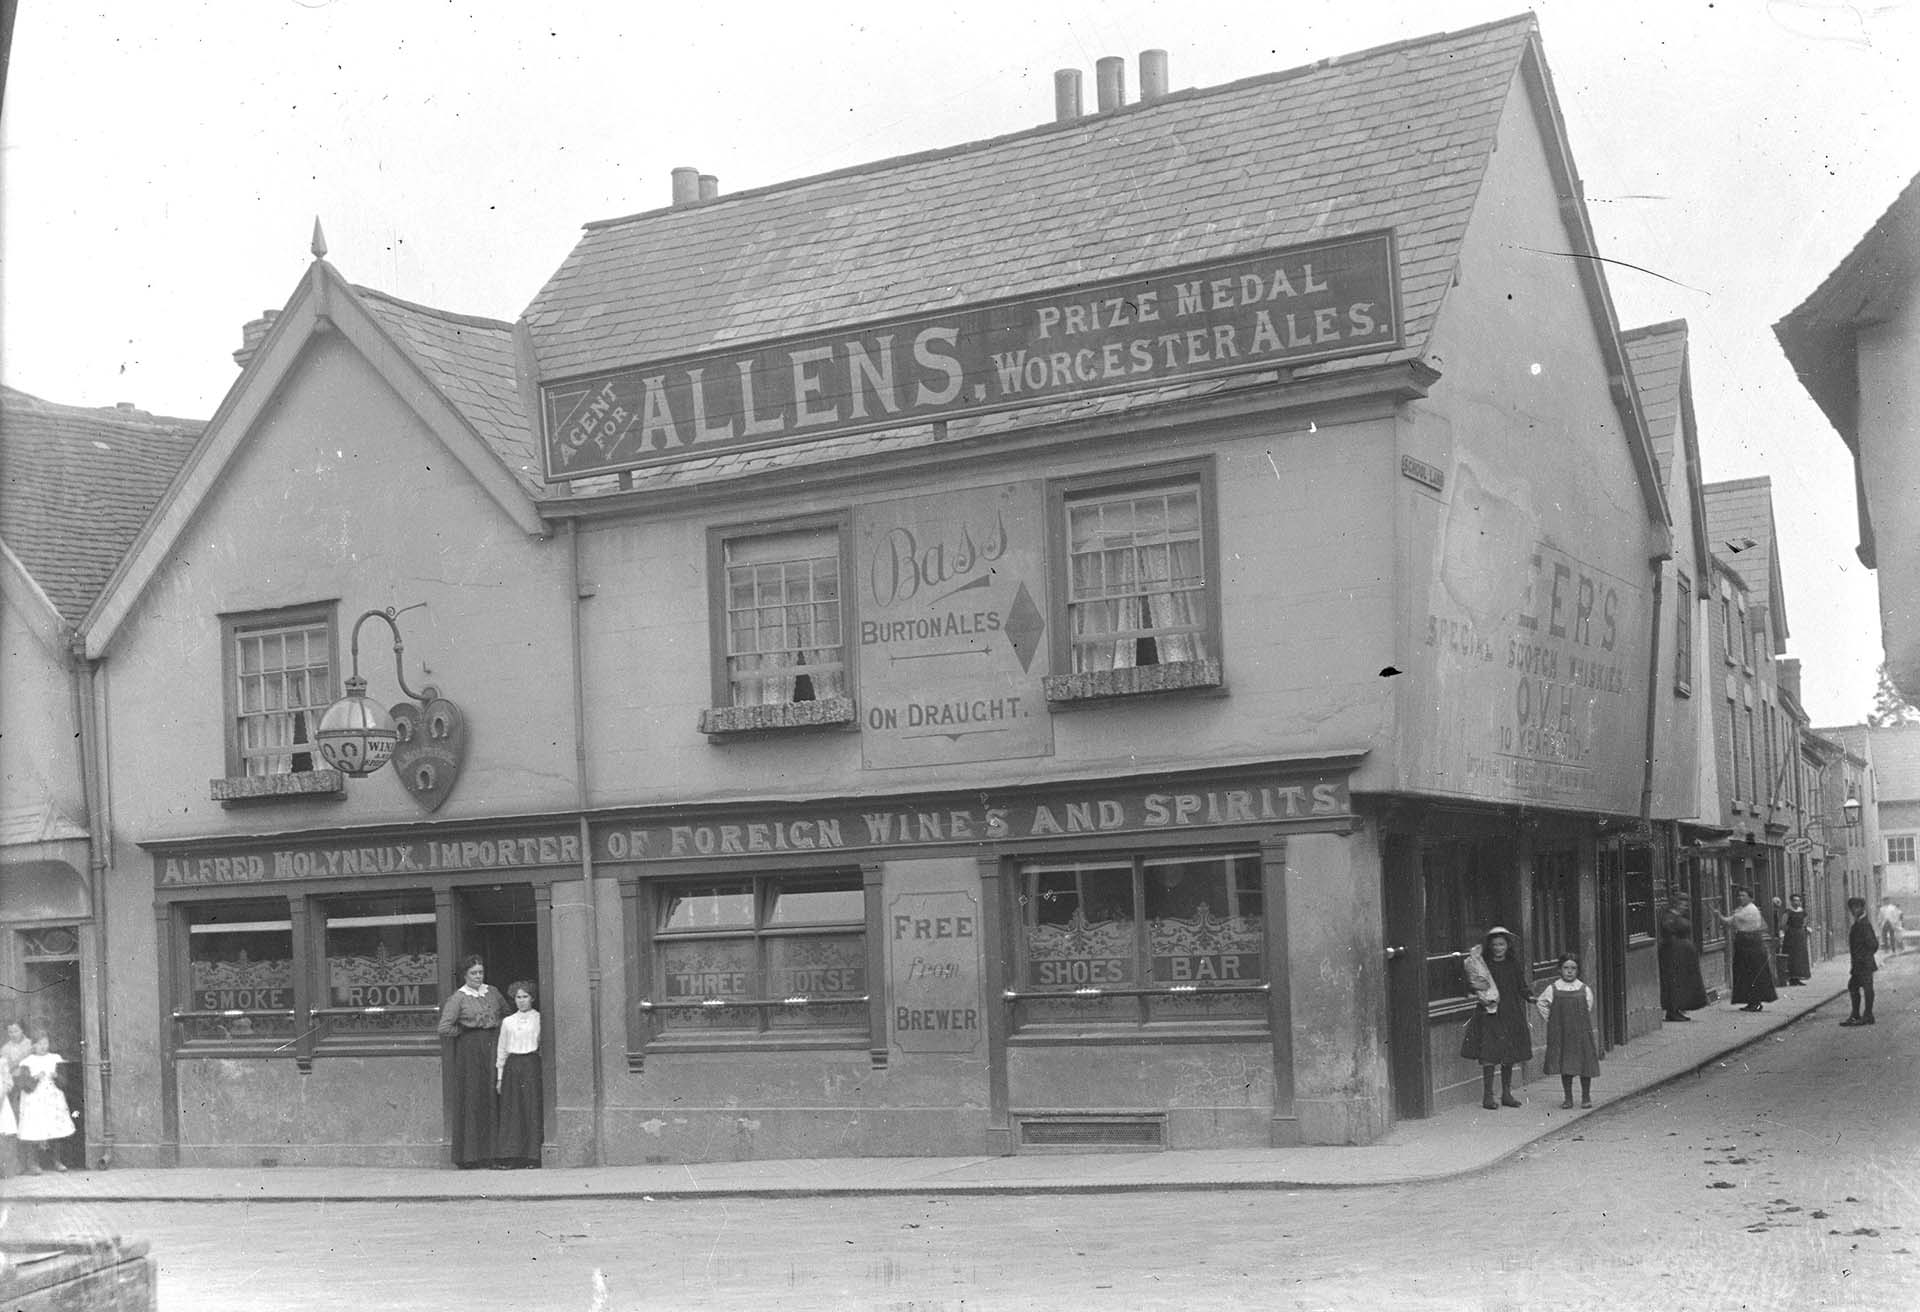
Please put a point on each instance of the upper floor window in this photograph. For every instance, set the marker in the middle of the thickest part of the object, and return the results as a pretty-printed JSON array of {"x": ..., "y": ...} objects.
[
  {"x": 785, "y": 638},
  {"x": 1746, "y": 636},
  {"x": 1726, "y": 627},
  {"x": 280, "y": 680},
  {"x": 1137, "y": 578},
  {"x": 1683, "y": 635},
  {"x": 1900, "y": 849}
]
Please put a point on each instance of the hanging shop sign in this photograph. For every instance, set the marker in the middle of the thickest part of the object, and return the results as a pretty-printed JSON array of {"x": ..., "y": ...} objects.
[{"x": 1273, "y": 309}]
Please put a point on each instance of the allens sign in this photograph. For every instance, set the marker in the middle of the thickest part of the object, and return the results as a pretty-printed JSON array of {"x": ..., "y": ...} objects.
[{"x": 1276, "y": 308}]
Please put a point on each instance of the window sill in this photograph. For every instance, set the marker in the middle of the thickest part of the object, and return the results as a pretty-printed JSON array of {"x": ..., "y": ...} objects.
[
  {"x": 757, "y": 1043},
  {"x": 314, "y": 784},
  {"x": 1128, "y": 1032},
  {"x": 727, "y": 721},
  {"x": 1064, "y": 691}
]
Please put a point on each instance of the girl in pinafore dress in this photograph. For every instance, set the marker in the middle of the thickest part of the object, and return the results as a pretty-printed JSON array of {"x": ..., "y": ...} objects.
[
  {"x": 1572, "y": 1048},
  {"x": 44, "y": 1114}
]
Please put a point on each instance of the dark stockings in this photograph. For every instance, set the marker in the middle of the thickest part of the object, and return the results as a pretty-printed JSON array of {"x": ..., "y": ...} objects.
[
  {"x": 1586, "y": 1090},
  {"x": 1506, "y": 1088},
  {"x": 1856, "y": 994}
]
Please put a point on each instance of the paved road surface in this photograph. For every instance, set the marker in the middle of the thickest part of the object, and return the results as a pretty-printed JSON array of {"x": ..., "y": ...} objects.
[{"x": 1788, "y": 1177}]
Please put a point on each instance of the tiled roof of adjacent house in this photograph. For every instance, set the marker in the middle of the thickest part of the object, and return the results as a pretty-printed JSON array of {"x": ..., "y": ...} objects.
[
  {"x": 1657, "y": 354},
  {"x": 1737, "y": 510},
  {"x": 1818, "y": 334},
  {"x": 1397, "y": 137},
  {"x": 77, "y": 485},
  {"x": 471, "y": 361}
]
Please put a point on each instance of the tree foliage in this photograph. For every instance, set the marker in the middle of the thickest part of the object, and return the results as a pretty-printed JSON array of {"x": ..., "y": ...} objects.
[{"x": 1889, "y": 707}]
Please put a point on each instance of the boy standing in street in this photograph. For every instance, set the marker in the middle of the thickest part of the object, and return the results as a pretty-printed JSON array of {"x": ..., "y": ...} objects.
[{"x": 1862, "y": 943}]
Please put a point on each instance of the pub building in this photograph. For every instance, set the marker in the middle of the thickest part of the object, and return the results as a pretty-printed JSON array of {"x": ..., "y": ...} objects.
[{"x": 1058, "y": 641}]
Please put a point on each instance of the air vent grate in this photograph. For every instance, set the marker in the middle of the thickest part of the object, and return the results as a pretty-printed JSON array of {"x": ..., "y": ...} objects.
[{"x": 1093, "y": 1133}]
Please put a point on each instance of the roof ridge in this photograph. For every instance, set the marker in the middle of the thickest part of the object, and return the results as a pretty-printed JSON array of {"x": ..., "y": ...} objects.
[
  {"x": 1736, "y": 484},
  {"x": 112, "y": 414},
  {"x": 451, "y": 316},
  {"x": 1649, "y": 329},
  {"x": 1181, "y": 97}
]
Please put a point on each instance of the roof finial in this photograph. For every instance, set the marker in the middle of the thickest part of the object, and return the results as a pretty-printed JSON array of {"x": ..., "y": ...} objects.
[{"x": 319, "y": 240}]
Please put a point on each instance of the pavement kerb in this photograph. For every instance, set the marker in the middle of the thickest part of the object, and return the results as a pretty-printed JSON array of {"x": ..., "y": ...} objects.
[{"x": 551, "y": 1186}]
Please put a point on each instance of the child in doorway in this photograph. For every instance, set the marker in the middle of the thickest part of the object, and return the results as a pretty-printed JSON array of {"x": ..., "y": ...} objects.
[
  {"x": 1572, "y": 1046},
  {"x": 44, "y": 1115}
]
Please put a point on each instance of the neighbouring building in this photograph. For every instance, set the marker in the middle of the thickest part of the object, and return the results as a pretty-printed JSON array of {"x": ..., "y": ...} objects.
[
  {"x": 1855, "y": 343},
  {"x": 1892, "y": 813},
  {"x": 950, "y": 655},
  {"x": 76, "y": 485}
]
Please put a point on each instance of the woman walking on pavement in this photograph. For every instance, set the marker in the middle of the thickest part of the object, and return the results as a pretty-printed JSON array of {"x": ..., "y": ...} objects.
[
  {"x": 1573, "y": 1048},
  {"x": 1497, "y": 1032},
  {"x": 1681, "y": 988},
  {"x": 1752, "y": 963},
  {"x": 1797, "y": 942}
]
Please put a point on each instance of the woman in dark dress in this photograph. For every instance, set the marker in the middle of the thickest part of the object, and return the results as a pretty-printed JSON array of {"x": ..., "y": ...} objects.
[
  {"x": 1499, "y": 1037},
  {"x": 1797, "y": 942},
  {"x": 1752, "y": 963},
  {"x": 471, "y": 1019},
  {"x": 1681, "y": 988}
]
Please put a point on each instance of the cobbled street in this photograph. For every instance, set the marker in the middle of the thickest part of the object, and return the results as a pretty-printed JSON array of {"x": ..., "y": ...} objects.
[{"x": 1787, "y": 1176}]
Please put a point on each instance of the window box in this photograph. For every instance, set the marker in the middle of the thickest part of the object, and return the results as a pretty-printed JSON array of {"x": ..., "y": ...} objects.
[
  {"x": 828, "y": 713},
  {"x": 278, "y": 787},
  {"x": 1133, "y": 681}
]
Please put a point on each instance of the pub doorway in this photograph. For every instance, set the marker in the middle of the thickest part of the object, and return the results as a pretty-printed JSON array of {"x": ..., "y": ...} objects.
[{"x": 497, "y": 923}]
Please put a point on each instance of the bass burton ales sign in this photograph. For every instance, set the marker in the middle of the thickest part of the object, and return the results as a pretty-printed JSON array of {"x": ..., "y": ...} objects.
[{"x": 1261, "y": 311}]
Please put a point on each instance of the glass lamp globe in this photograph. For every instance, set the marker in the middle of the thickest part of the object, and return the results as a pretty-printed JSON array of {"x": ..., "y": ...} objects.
[{"x": 356, "y": 735}]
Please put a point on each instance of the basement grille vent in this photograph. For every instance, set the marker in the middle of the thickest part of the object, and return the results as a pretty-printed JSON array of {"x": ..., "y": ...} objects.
[{"x": 1093, "y": 1132}]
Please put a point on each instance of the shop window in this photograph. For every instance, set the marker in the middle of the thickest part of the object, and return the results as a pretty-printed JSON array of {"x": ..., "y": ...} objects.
[
  {"x": 1556, "y": 908},
  {"x": 1900, "y": 849},
  {"x": 779, "y": 631},
  {"x": 760, "y": 956},
  {"x": 239, "y": 977},
  {"x": 382, "y": 965},
  {"x": 1683, "y": 635},
  {"x": 1136, "y": 575},
  {"x": 1135, "y": 940},
  {"x": 1643, "y": 911},
  {"x": 1463, "y": 882},
  {"x": 279, "y": 682}
]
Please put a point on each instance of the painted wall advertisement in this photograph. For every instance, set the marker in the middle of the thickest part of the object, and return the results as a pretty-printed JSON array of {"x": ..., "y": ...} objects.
[
  {"x": 933, "y": 953},
  {"x": 1534, "y": 665},
  {"x": 953, "y": 617}
]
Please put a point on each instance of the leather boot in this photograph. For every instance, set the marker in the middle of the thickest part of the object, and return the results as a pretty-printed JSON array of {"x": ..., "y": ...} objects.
[{"x": 1486, "y": 1089}]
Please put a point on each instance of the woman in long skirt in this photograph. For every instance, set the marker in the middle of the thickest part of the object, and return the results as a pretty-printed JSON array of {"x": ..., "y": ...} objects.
[
  {"x": 516, "y": 1076},
  {"x": 1797, "y": 942},
  {"x": 1752, "y": 963},
  {"x": 1681, "y": 988},
  {"x": 471, "y": 1019}
]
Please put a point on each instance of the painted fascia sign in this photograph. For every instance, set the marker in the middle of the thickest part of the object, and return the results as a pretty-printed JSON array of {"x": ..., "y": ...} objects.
[{"x": 1267, "y": 310}]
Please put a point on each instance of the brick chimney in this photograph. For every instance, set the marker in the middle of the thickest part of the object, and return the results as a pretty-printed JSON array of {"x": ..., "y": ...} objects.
[{"x": 252, "y": 334}]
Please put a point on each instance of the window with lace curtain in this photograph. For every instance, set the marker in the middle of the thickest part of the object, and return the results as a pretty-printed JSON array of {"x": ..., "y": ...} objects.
[
  {"x": 1139, "y": 583},
  {"x": 280, "y": 668},
  {"x": 785, "y": 637}
]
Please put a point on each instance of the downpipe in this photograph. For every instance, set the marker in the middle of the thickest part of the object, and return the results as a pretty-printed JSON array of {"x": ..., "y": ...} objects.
[
  {"x": 588, "y": 872},
  {"x": 94, "y": 788}
]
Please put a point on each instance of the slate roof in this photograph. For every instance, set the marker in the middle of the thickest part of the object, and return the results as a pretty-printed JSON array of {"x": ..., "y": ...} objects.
[
  {"x": 1817, "y": 335},
  {"x": 1657, "y": 354},
  {"x": 1397, "y": 137},
  {"x": 471, "y": 361},
  {"x": 1743, "y": 508},
  {"x": 77, "y": 485}
]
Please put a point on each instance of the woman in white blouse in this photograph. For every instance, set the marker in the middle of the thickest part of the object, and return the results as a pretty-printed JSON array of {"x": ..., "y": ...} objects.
[
  {"x": 1752, "y": 963},
  {"x": 516, "y": 1078}
]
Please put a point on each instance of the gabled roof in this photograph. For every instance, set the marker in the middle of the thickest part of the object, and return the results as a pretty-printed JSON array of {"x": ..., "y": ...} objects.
[
  {"x": 1663, "y": 376},
  {"x": 1741, "y": 509},
  {"x": 449, "y": 368},
  {"x": 471, "y": 361},
  {"x": 76, "y": 484},
  {"x": 1397, "y": 137},
  {"x": 1878, "y": 274}
]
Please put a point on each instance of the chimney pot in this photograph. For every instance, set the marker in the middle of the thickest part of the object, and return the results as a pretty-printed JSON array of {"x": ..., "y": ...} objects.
[
  {"x": 1067, "y": 105},
  {"x": 252, "y": 334},
  {"x": 1110, "y": 82},
  {"x": 686, "y": 186},
  {"x": 1153, "y": 75},
  {"x": 123, "y": 405},
  {"x": 709, "y": 186}
]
